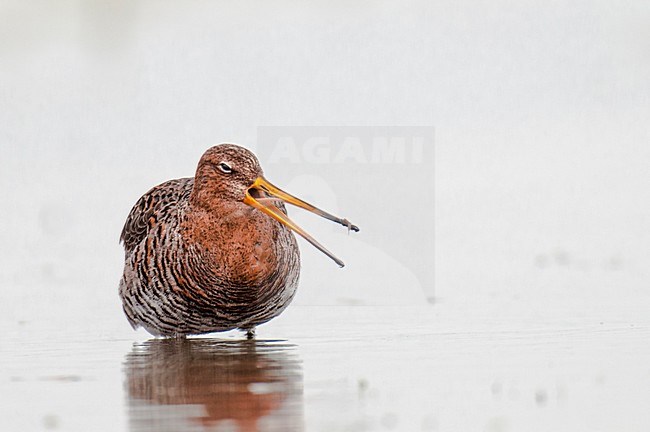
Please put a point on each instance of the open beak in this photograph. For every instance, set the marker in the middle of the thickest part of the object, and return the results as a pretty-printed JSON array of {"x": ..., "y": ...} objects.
[{"x": 263, "y": 196}]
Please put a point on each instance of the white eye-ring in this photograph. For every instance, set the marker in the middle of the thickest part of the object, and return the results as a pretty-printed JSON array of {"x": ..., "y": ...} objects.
[{"x": 225, "y": 167}]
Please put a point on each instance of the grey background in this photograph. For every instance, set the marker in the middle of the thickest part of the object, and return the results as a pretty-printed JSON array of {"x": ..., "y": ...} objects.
[{"x": 540, "y": 111}]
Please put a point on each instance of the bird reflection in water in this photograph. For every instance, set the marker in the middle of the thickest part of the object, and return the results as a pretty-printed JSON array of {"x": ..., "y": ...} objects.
[{"x": 209, "y": 384}]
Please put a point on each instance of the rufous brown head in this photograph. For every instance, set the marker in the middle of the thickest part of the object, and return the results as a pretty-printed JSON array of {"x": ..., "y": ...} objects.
[{"x": 232, "y": 173}]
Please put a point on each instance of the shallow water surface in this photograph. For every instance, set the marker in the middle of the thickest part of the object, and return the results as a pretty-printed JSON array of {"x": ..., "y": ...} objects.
[
  {"x": 195, "y": 383},
  {"x": 485, "y": 364}
]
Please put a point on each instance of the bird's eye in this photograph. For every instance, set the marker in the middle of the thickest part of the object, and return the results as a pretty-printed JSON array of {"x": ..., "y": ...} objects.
[{"x": 225, "y": 167}]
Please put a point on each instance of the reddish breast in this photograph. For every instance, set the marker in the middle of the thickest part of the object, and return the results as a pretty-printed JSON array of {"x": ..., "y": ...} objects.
[{"x": 241, "y": 244}]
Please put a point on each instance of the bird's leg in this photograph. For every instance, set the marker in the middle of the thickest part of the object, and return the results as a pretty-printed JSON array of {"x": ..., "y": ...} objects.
[{"x": 250, "y": 333}]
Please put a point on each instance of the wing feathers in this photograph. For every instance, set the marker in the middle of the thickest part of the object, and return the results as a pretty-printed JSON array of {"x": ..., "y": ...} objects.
[{"x": 159, "y": 204}]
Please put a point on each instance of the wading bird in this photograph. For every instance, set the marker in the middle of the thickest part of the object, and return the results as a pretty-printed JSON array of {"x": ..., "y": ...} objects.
[{"x": 213, "y": 252}]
